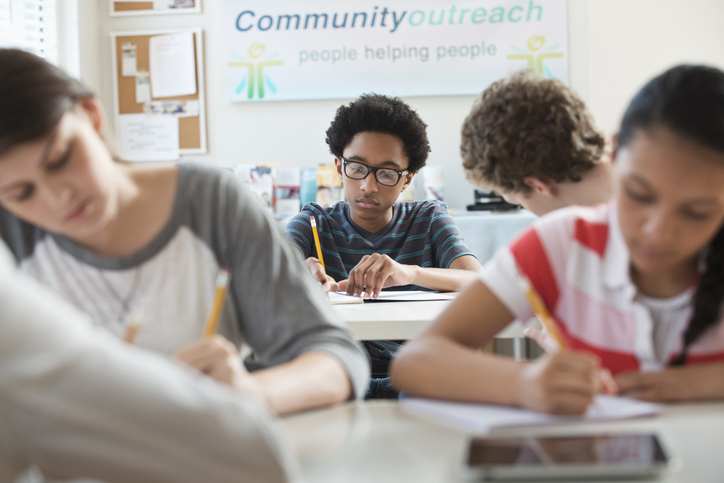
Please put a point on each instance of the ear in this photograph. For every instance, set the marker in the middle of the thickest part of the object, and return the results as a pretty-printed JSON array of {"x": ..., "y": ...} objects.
[
  {"x": 614, "y": 147},
  {"x": 94, "y": 110},
  {"x": 339, "y": 166},
  {"x": 408, "y": 180},
  {"x": 541, "y": 187}
]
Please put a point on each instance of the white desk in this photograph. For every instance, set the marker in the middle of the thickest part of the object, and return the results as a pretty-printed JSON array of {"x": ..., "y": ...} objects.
[
  {"x": 376, "y": 442},
  {"x": 397, "y": 320}
]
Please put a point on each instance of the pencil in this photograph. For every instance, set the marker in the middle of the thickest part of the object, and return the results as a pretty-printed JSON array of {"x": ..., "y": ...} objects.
[
  {"x": 222, "y": 283},
  {"x": 133, "y": 324},
  {"x": 541, "y": 311},
  {"x": 316, "y": 242}
]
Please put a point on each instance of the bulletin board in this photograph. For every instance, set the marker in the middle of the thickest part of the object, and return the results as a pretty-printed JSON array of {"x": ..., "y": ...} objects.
[
  {"x": 124, "y": 7},
  {"x": 192, "y": 129}
]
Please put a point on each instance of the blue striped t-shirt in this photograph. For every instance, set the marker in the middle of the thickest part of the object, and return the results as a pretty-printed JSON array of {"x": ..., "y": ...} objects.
[{"x": 421, "y": 233}]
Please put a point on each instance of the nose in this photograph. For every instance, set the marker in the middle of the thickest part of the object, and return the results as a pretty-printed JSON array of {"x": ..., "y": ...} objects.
[
  {"x": 369, "y": 184},
  {"x": 56, "y": 192},
  {"x": 660, "y": 226}
]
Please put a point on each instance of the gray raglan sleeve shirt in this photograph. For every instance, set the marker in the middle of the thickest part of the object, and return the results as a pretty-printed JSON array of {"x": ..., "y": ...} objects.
[{"x": 280, "y": 309}]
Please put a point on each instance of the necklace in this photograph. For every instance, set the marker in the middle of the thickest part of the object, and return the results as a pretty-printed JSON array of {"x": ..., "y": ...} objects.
[{"x": 124, "y": 302}]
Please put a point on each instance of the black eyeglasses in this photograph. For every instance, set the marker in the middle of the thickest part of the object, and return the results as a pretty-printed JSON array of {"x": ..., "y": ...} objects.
[{"x": 384, "y": 176}]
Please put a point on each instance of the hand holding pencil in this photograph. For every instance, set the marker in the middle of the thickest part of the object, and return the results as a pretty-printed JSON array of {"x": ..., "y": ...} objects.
[
  {"x": 563, "y": 381},
  {"x": 316, "y": 265}
]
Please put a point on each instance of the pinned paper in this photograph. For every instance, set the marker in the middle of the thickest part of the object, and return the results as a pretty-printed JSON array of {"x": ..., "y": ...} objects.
[
  {"x": 178, "y": 108},
  {"x": 128, "y": 56},
  {"x": 143, "y": 87},
  {"x": 148, "y": 138},
  {"x": 173, "y": 68}
]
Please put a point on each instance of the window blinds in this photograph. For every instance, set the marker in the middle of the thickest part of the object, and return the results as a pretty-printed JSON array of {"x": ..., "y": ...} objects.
[{"x": 30, "y": 25}]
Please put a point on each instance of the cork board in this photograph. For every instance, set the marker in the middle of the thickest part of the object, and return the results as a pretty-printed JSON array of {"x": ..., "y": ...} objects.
[
  {"x": 192, "y": 130},
  {"x": 146, "y": 8}
]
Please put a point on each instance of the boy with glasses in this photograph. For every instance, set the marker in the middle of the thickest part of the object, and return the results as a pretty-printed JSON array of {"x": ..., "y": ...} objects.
[{"x": 370, "y": 242}]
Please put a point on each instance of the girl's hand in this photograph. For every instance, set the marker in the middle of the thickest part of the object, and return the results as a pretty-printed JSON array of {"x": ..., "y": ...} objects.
[
  {"x": 699, "y": 381},
  {"x": 329, "y": 285},
  {"x": 374, "y": 272},
  {"x": 606, "y": 382},
  {"x": 219, "y": 359},
  {"x": 560, "y": 383}
]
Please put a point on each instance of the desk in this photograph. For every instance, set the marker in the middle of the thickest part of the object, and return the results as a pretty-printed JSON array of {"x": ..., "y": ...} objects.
[
  {"x": 375, "y": 441},
  {"x": 397, "y": 320}
]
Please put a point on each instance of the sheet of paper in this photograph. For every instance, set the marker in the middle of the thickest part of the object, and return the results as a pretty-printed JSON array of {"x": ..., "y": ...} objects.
[
  {"x": 128, "y": 57},
  {"x": 482, "y": 418},
  {"x": 411, "y": 296},
  {"x": 143, "y": 87},
  {"x": 148, "y": 138},
  {"x": 341, "y": 298},
  {"x": 173, "y": 68}
]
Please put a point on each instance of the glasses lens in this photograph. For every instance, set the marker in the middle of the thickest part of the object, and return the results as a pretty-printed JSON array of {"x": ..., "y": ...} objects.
[
  {"x": 355, "y": 170},
  {"x": 387, "y": 177}
]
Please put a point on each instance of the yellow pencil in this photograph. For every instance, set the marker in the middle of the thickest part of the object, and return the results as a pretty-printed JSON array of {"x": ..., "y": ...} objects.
[
  {"x": 222, "y": 283},
  {"x": 133, "y": 324},
  {"x": 541, "y": 311},
  {"x": 316, "y": 242}
]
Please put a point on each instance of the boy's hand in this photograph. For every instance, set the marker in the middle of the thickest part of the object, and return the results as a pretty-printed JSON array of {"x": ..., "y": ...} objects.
[
  {"x": 329, "y": 285},
  {"x": 219, "y": 359},
  {"x": 374, "y": 272},
  {"x": 560, "y": 383}
]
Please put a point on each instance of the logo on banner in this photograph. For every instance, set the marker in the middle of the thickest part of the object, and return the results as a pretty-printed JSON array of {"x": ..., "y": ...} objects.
[
  {"x": 535, "y": 58},
  {"x": 255, "y": 70}
]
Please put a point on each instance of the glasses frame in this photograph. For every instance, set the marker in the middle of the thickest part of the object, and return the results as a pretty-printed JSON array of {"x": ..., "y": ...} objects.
[{"x": 370, "y": 169}]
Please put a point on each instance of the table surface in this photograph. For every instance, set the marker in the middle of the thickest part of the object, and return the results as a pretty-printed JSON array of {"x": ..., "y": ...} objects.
[
  {"x": 397, "y": 320},
  {"x": 375, "y": 441}
]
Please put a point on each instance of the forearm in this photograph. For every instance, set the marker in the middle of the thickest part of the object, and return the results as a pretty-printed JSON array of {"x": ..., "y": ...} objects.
[
  {"x": 443, "y": 279},
  {"x": 437, "y": 367},
  {"x": 311, "y": 380}
]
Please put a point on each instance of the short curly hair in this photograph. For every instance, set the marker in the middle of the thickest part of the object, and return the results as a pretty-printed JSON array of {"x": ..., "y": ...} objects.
[
  {"x": 381, "y": 114},
  {"x": 528, "y": 125}
]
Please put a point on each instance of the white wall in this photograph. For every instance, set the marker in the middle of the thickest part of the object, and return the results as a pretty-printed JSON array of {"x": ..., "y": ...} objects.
[
  {"x": 634, "y": 40},
  {"x": 614, "y": 46}
]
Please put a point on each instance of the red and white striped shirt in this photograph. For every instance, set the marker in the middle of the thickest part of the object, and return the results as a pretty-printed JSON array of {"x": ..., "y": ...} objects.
[{"x": 578, "y": 262}]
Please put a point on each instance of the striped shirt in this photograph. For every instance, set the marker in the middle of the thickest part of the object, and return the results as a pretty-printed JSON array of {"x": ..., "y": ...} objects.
[
  {"x": 578, "y": 262},
  {"x": 420, "y": 233}
]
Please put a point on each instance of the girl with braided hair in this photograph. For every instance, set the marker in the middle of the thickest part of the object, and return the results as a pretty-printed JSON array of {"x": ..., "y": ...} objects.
[{"x": 635, "y": 286}]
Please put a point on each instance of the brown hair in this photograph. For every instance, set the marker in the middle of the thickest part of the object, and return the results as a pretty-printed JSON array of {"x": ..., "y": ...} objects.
[
  {"x": 528, "y": 125},
  {"x": 34, "y": 95}
]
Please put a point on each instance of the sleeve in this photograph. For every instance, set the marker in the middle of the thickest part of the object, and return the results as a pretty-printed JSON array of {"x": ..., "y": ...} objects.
[
  {"x": 447, "y": 242},
  {"x": 81, "y": 404},
  {"x": 299, "y": 232},
  {"x": 540, "y": 253},
  {"x": 282, "y": 311}
]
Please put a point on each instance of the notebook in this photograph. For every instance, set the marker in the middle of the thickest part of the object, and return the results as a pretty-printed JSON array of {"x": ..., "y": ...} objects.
[
  {"x": 483, "y": 418},
  {"x": 337, "y": 298}
]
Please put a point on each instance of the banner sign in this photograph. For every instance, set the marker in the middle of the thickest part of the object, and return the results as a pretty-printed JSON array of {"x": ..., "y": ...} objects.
[{"x": 286, "y": 49}]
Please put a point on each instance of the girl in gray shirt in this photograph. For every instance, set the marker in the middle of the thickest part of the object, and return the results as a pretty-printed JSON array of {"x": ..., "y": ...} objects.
[{"x": 112, "y": 237}]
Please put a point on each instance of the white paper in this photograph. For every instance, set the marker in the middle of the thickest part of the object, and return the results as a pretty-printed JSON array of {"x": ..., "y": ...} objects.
[
  {"x": 148, "y": 138},
  {"x": 128, "y": 56},
  {"x": 143, "y": 87},
  {"x": 173, "y": 71},
  {"x": 341, "y": 298},
  {"x": 482, "y": 418}
]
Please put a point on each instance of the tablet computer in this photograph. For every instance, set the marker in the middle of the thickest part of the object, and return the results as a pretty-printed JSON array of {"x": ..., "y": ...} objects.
[{"x": 556, "y": 458}]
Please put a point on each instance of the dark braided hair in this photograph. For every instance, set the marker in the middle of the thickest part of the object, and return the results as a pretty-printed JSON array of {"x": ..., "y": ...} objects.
[
  {"x": 688, "y": 100},
  {"x": 385, "y": 115}
]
